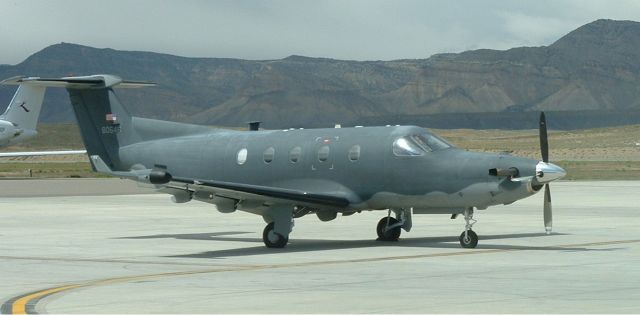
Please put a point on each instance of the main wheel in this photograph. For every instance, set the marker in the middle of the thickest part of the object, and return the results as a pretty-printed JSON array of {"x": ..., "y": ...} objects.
[
  {"x": 391, "y": 234},
  {"x": 470, "y": 240},
  {"x": 272, "y": 239}
]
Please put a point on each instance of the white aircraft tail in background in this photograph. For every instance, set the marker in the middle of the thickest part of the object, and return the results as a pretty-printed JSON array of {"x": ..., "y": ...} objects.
[{"x": 19, "y": 121}]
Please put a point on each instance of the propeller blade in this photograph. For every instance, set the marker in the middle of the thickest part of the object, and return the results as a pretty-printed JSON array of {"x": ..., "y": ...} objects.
[
  {"x": 544, "y": 143},
  {"x": 548, "y": 218}
]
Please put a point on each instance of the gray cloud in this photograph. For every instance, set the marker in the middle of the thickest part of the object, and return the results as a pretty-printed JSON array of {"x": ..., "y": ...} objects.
[{"x": 253, "y": 29}]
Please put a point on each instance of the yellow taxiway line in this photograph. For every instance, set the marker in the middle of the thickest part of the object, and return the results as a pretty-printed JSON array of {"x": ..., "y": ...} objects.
[{"x": 20, "y": 305}]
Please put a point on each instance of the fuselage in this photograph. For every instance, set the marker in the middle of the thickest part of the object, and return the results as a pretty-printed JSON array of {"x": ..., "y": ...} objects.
[{"x": 369, "y": 166}]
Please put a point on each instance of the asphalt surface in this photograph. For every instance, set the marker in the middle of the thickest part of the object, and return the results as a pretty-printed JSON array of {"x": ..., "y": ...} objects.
[
  {"x": 56, "y": 187},
  {"x": 104, "y": 252}
]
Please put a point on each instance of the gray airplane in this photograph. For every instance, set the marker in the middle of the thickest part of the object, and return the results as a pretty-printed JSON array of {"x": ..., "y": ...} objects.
[{"x": 286, "y": 174}]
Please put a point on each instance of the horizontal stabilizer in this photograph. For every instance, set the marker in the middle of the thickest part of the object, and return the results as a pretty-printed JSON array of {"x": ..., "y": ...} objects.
[
  {"x": 102, "y": 167},
  {"x": 41, "y": 153},
  {"x": 85, "y": 82}
]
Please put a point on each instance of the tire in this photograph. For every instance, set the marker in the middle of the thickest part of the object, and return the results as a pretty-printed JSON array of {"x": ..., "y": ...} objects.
[
  {"x": 469, "y": 242},
  {"x": 272, "y": 239},
  {"x": 391, "y": 235}
]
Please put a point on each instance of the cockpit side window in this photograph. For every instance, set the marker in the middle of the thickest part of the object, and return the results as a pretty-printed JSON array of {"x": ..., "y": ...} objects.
[
  {"x": 405, "y": 146},
  {"x": 416, "y": 145},
  {"x": 431, "y": 142},
  {"x": 421, "y": 140}
]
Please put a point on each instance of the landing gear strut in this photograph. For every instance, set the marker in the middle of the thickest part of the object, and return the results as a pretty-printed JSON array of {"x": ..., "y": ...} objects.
[{"x": 468, "y": 238}]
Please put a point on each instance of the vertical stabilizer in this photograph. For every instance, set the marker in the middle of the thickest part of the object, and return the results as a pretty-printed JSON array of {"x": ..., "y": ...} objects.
[
  {"x": 104, "y": 123},
  {"x": 24, "y": 109}
]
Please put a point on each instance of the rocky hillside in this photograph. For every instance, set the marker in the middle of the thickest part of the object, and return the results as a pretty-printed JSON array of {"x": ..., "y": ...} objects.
[{"x": 593, "y": 69}]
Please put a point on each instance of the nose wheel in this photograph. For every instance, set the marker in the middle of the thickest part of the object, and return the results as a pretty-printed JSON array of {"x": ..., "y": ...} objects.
[{"x": 468, "y": 238}]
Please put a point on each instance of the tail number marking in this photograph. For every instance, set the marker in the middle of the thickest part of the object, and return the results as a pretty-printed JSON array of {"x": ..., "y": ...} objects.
[{"x": 106, "y": 130}]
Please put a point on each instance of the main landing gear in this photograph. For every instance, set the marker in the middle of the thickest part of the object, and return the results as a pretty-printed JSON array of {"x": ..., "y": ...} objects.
[
  {"x": 389, "y": 228},
  {"x": 280, "y": 224},
  {"x": 468, "y": 238},
  {"x": 273, "y": 239}
]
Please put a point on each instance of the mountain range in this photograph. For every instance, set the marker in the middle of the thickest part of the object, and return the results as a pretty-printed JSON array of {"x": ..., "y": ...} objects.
[{"x": 587, "y": 78}]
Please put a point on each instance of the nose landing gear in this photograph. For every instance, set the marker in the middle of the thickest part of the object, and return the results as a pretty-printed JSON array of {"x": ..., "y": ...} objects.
[{"x": 468, "y": 238}]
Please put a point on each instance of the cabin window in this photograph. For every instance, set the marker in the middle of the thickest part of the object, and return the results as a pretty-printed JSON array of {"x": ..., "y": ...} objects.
[
  {"x": 268, "y": 154},
  {"x": 242, "y": 156},
  {"x": 354, "y": 153},
  {"x": 2, "y": 129},
  {"x": 405, "y": 146},
  {"x": 295, "y": 154},
  {"x": 323, "y": 153}
]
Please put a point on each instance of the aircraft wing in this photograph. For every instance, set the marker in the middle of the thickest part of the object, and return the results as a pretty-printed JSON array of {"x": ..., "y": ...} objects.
[
  {"x": 238, "y": 191},
  {"x": 245, "y": 191},
  {"x": 41, "y": 153}
]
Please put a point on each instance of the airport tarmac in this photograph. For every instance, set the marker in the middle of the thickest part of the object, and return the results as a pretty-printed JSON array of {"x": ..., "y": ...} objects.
[{"x": 140, "y": 253}]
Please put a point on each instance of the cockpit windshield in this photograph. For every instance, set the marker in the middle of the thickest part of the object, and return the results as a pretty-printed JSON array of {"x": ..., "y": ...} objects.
[{"x": 419, "y": 144}]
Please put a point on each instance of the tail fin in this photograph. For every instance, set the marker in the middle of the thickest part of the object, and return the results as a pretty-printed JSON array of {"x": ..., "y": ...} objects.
[
  {"x": 104, "y": 123},
  {"x": 24, "y": 108}
]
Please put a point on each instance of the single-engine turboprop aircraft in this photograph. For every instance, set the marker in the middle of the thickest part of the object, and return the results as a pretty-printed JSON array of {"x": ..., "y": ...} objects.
[{"x": 286, "y": 174}]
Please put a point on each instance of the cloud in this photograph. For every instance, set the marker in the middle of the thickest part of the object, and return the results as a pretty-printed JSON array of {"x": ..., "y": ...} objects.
[
  {"x": 259, "y": 29},
  {"x": 534, "y": 30}
]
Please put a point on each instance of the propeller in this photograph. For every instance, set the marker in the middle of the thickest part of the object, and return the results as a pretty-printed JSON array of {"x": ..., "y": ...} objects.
[
  {"x": 544, "y": 142},
  {"x": 544, "y": 148}
]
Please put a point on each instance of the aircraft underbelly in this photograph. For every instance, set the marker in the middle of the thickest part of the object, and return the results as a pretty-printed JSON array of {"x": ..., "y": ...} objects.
[{"x": 479, "y": 195}]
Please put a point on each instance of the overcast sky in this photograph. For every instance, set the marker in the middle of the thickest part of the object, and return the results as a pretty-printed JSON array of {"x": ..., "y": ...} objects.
[{"x": 254, "y": 29}]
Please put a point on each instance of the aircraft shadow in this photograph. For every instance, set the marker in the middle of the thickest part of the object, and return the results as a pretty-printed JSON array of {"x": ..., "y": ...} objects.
[
  {"x": 192, "y": 236},
  {"x": 315, "y": 245}
]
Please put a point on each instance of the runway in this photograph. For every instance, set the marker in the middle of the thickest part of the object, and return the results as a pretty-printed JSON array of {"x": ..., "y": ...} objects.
[{"x": 139, "y": 253}]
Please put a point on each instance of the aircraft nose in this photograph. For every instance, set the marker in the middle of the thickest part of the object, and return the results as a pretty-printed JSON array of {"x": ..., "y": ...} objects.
[{"x": 547, "y": 172}]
